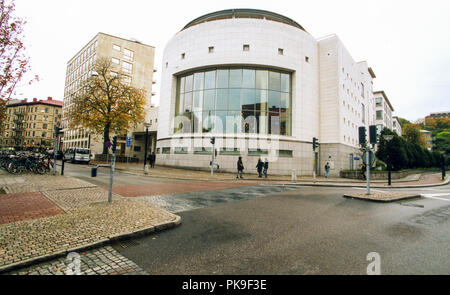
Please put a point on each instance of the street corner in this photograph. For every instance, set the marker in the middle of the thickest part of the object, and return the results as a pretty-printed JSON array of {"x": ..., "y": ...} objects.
[
  {"x": 382, "y": 197},
  {"x": 25, "y": 206}
]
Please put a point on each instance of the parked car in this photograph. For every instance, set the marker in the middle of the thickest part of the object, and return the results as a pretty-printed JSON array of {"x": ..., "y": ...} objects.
[
  {"x": 77, "y": 155},
  {"x": 59, "y": 154}
]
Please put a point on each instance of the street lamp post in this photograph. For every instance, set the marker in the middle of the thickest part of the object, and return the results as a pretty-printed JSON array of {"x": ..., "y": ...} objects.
[{"x": 388, "y": 138}]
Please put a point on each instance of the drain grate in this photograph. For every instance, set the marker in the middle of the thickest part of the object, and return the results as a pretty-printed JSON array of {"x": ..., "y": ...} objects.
[{"x": 128, "y": 243}]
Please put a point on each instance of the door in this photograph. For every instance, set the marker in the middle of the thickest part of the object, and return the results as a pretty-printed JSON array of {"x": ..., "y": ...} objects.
[{"x": 351, "y": 166}]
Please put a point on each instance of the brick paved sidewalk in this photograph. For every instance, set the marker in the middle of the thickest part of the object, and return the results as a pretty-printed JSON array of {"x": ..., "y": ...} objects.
[
  {"x": 39, "y": 183},
  {"x": 40, "y": 225}
]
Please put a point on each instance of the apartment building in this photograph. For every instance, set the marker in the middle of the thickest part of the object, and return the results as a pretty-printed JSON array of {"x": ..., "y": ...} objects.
[
  {"x": 383, "y": 111},
  {"x": 29, "y": 124},
  {"x": 132, "y": 59}
]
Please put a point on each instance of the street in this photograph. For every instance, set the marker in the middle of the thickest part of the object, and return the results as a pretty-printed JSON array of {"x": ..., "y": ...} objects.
[{"x": 273, "y": 229}]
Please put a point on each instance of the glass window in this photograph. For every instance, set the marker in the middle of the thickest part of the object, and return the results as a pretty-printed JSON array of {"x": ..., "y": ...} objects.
[
  {"x": 261, "y": 79},
  {"x": 256, "y": 100},
  {"x": 248, "y": 99},
  {"x": 285, "y": 82},
  {"x": 210, "y": 79},
  {"x": 115, "y": 61},
  {"x": 222, "y": 78},
  {"x": 235, "y": 78},
  {"x": 234, "y": 100},
  {"x": 116, "y": 47},
  {"x": 189, "y": 83},
  {"x": 274, "y": 101},
  {"x": 209, "y": 100},
  {"x": 222, "y": 99},
  {"x": 197, "y": 101},
  {"x": 274, "y": 80},
  {"x": 128, "y": 54},
  {"x": 199, "y": 81},
  {"x": 248, "y": 80}
]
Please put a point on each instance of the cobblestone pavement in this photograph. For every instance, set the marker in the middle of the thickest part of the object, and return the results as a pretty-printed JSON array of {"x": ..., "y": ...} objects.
[
  {"x": 103, "y": 261},
  {"x": 24, "y": 240},
  {"x": 38, "y": 183},
  {"x": 76, "y": 198},
  {"x": 194, "y": 200},
  {"x": 23, "y": 206},
  {"x": 173, "y": 188}
]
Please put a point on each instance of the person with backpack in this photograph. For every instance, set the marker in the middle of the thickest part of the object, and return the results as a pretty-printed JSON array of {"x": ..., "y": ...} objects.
[
  {"x": 240, "y": 168},
  {"x": 327, "y": 169},
  {"x": 259, "y": 167}
]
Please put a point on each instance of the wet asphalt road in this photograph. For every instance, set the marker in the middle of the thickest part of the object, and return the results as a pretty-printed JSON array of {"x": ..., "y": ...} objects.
[
  {"x": 304, "y": 231},
  {"x": 291, "y": 230}
]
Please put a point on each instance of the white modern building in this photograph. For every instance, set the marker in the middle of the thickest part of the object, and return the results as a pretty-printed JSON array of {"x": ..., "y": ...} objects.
[
  {"x": 396, "y": 126},
  {"x": 383, "y": 111},
  {"x": 261, "y": 85}
]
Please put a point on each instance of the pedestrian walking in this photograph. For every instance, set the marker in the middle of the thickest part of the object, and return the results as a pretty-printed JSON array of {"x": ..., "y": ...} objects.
[
  {"x": 266, "y": 167},
  {"x": 240, "y": 167},
  {"x": 152, "y": 160},
  {"x": 327, "y": 169},
  {"x": 259, "y": 167},
  {"x": 363, "y": 171}
]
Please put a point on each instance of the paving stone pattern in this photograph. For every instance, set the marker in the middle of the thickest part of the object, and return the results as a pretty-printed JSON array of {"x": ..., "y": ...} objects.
[
  {"x": 433, "y": 217},
  {"x": 102, "y": 261},
  {"x": 76, "y": 198},
  {"x": 28, "y": 239},
  {"x": 39, "y": 183},
  {"x": 23, "y": 206}
]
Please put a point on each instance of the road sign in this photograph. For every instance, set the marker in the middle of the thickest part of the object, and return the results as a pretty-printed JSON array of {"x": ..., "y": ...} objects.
[
  {"x": 128, "y": 141},
  {"x": 371, "y": 158},
  {"x": 356, "y": 158},
  {"x": 108, "y": 144}
]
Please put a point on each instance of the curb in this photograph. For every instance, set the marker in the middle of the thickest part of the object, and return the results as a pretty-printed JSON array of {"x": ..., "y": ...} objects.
[
  {"x": 372, "y": 186},
  {"x": 97, "y": 244},
  {"x": 383, "y": 201}
]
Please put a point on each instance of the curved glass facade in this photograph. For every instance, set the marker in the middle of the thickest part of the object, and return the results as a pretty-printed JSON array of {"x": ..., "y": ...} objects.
[{"x": 234, "y": 100}]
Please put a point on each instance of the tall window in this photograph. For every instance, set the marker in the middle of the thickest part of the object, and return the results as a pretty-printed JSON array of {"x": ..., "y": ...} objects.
[
  {"x": 128, "y": 54},
  {"x": 234, "y": 100}
]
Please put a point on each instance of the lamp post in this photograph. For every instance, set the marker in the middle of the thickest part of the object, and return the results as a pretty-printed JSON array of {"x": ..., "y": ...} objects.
[
  {"x": 388, "y": 138},
  {"x": 146, "y": 143}
]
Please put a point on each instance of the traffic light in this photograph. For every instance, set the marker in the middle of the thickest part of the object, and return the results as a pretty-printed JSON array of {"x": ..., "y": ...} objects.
[
  {"x": 212, "y": 140},
  {"x": 362, "y": 135},
  {"x": 114, "y": 144},
  {"x": 373, "y": 134},
  {"x": 315, "y": 143},
  {"x": 58, "y": 130}
]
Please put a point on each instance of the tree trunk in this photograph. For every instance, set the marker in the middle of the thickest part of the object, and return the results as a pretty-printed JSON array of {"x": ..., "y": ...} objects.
[{"x": 105, "y": 138}]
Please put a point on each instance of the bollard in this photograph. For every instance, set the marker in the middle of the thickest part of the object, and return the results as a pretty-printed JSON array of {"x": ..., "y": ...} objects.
[
  {"x": 146, "y": 169},
  {"x": 93, "y": 172},
  {"x": 62, "y": 167},
  {"x": 293, "y": 176}
]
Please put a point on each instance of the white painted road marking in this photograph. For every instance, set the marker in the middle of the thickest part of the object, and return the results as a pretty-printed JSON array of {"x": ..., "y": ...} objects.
[{"x": 434, "y": 196}]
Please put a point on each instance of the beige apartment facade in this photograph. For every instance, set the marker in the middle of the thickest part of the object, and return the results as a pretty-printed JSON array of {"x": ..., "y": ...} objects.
[
  {"x": 29, "y": 124},
  {"x": 134, "y": 61}
]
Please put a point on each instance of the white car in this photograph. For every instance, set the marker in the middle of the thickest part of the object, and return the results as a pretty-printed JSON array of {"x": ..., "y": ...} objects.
[{"x": 77, "y": 155}]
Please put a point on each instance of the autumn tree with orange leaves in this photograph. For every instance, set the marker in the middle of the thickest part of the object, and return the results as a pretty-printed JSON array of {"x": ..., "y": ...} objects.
[
  {"x": 106, "y": 103},
  {"x": 14, "y": 63}
]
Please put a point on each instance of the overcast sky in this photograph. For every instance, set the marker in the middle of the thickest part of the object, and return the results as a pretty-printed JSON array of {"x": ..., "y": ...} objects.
[{"x": 407, "y": 43}]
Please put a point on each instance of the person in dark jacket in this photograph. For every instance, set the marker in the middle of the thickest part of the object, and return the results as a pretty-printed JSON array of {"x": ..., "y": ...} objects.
[
  {"x": 240, "y": 167},
  {"x": 152, "y": 160},
  {"x": 259, "y": 167},
  {"x": 266, "y": 167}
]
